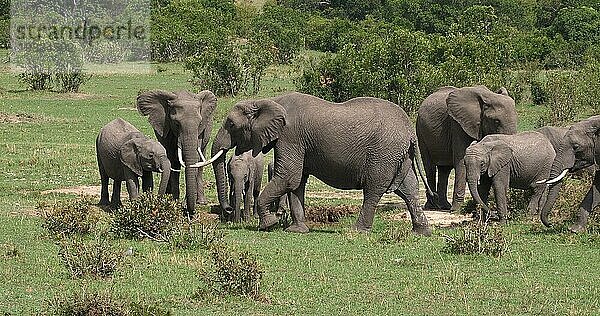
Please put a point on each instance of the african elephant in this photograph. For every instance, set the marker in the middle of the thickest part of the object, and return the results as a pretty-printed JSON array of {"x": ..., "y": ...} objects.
[
  {"x": 364, "y": 143},
  {"x": 578, "y": 151},
  {"x": 447, "y": 122},
  {"x": 125, "y": 154},
  {"x": 245, "y": 175},
  {"x": 518, "y": 161},
  {"x": 182, "y": 122},
  {"x": 279, "y": 207}
]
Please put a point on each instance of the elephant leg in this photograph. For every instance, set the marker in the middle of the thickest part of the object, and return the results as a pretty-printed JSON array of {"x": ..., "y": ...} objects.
[
  {"x": 409, "y": 192},
  {"x": 248, "y": 195},
  {"x": 460, "y": 183},
  {"x": 103, "y": 187},
  {"x": 500, "y": 184},
  {"x": 132, "y": 187},
  {"x": 200, "y": 198},
  {"x": 147, "y": 181},
  {"x": 173, "y": 186},
  {"x": 430, "y": 174},
  {"x": 296, "y": 200},
  {"x": 442, "y": 187},
  {"x": 115, "y": 199},
  {"x": 537, "y": 200},
  {"x": 273, "y": 190},
  {"x": 591, "y": 200}
]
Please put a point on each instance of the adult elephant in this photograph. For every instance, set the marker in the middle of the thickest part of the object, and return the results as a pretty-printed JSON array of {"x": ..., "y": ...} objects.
[
  {"x": 448, "y": 121},
  {"x": 182, "y": 122},
  {"x": 579, "y": 150},
  {"x": 364, "y": 143}
]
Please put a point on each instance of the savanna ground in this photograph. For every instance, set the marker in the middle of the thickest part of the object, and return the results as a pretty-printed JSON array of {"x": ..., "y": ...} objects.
[{"x": 47, "y": 142}]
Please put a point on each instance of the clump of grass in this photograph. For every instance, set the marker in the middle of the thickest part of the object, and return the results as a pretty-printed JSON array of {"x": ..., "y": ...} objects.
[
  {"x": 149, "y": 216},
  {"x": 233, "y": 273},
  {"x": 396, "y": 233},
  {"x": 329, "y": 214},
  {"x": 8, "y": 251},
  {"x": 478, "y": 238},
  {"x": 97, "y": 303},
  {"x": 196, "y": 235},
  {"x": 66, "y": 218},
  {"x": 93, "y": 257},
  {"x": 518, "y": 202}
]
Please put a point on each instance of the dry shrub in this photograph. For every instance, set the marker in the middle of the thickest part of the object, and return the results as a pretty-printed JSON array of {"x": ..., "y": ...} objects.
[
  {"x": 329, "y": 214},
  {"x": 8, "y": 251},
  {"x": 65, "y": 218},
  {"x": 196, "y": 235},
  {"x": 478, "y": 238},
  {"x": 94, "y": 257},
  {"x": 97, "y": 303}
]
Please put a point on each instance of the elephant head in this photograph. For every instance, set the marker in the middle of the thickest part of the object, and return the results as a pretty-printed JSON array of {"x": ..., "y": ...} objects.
[
  {"x": 480, "y": 111},
  {"x": 485, "y": 157},
  {"x": 250, "y": 125},
  {"x": 579, "y": 150},
  {"x": 182, "y": 122},
  {"x": 142, "y": 154}
]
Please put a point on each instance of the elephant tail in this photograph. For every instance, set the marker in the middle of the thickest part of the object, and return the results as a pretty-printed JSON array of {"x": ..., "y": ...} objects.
[{"x": 417, "y": 164}]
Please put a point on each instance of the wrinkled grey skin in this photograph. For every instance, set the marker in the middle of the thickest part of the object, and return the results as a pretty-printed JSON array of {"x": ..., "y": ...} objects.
[
  {"x": 578, "y": 151},
  {"x": 280, "y": 206},
  {"x": 364, "y": 143},
  {"x": 125, "y": 154},
  {"x": 245, "y": 176},
  {"x": 181, "y": 119},
  {"x": 448, "y": 121},
  {"x": 503, "y": 161}
]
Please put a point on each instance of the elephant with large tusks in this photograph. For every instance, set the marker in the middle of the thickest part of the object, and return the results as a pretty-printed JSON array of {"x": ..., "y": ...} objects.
[
  {"x": 448, "y": 121},
  {"x": 182, "y": 122},
  {"x": 364, "y": 143},
  {"x": 578, "y": 151},
  {"x": 125, "y": 154},
  {"x": 518, "y": 161}
]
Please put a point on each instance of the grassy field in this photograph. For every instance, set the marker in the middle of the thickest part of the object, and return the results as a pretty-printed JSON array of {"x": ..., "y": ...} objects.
[{"x": 328, "y": 271}]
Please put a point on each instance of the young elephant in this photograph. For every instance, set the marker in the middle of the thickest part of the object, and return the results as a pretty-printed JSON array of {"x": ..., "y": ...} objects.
[
  {"x": 125, "y": 154},
  {"x": 518, "y": 161},
  {"x": 245, "y": 176}
]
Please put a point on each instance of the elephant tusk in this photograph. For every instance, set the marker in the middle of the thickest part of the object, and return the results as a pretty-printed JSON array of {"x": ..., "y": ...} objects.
[
  {"x": 560, "y": 177},
  {"x": 160, "y": 170},
  {"x": 541, "y": 181},
  {"x": 180, "y": 155},
  {"x": 201, "y": 154},
  {"x": 205, "y": 163},
  {"x": 175, "y": 170}
]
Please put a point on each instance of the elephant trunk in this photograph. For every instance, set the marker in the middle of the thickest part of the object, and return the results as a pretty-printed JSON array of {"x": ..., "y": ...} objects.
[
  {"x": 565, "y": 159},
  {"x": 238, "y": 188},
  {"x": 164, "y": 177},
  {"x": 189, "y": 144},
  {"x": 222, "y": 142},
  {"x": 475, "y": 193}
]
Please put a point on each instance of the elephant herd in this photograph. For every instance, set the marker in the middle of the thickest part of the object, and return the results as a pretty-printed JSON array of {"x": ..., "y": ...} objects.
[{"x": 364, "y": 143}]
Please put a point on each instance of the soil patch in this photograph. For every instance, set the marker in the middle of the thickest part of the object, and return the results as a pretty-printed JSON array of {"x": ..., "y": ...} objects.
[
  {"x": 435, "y": 218},
  {"x": 16, "y": 118},
  {"x": 84, "y": 190}
]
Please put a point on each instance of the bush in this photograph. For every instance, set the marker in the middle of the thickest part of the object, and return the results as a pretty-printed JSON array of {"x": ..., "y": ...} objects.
[
  {"x": 477, "y": 238},
  {"x": 96, "y": 303},
  {"x": 95, "y": 257},
  {"x": 562, "y": 95},
  {"x": 329, "y": 214},
  {"x": 196, "y": 235},
  {"x": 148, "y": 216},
  {"x": 71, "y": 217},
  {"x": 233, "y": 274}
]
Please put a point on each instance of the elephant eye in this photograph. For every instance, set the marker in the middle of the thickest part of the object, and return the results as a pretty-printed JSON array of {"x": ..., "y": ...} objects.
[{"x": 151, "y": 155}]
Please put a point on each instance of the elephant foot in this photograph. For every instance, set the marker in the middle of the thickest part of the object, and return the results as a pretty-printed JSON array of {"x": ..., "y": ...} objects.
[
  {"x": 430, "y": 205},
  {"x": 361, "y": 229},
  {"x": 297, "y": 228},
  {"x": 423, "y": 230},
  {"x": 577, "y": 228},
  {"x": 267, "y": 222},
  {"x": 202, "y": 202},
  {"x": 456, "y": 205},
  {"x": 104, "y": 202}
]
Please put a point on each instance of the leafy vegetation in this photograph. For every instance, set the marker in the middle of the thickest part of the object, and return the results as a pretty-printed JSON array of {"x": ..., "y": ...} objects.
[{"x": 65, "y": 218}]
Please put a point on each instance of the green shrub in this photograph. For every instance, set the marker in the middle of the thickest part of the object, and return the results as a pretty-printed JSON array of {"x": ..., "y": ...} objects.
[
  {"x": 69, "y": 217},
  {"x": 148, "y": 216},
  {"x": 233, "y": 273},
  {"x": 99, "y": 303},
  {"x": 518, "y": 202},
  {"x": 94, "y": 257},
  {"x": 478, "y": 238},
  {"x": 562, "y": 96}
]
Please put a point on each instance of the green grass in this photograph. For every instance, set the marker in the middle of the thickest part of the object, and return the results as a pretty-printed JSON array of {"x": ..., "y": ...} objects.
[{"x": 328, "y": 271}]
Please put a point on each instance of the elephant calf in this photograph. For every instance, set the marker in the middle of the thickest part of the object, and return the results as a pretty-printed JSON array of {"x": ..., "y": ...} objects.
[
  {"x": 245, "y": 176},
  {"x": 518, "y": 161},
  {"x": 125, "y": 154}
]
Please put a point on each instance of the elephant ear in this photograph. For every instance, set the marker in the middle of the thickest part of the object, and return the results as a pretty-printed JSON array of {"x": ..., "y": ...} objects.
[
  {"x": 464, "y": 106},
  {"x": 499, "y": 157},
  {"x": 129, "y": 156},
  {"x": 208, "y": 104},
  {"x": 267, "y": 120},
  {"x": 155, "y": 105}
]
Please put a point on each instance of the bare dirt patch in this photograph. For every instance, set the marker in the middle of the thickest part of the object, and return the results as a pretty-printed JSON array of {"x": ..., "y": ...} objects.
[
  {"x": 16, "y": 118},
  {"x": 83, "y": 190},
  {"x": 435, "y": 218}
]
